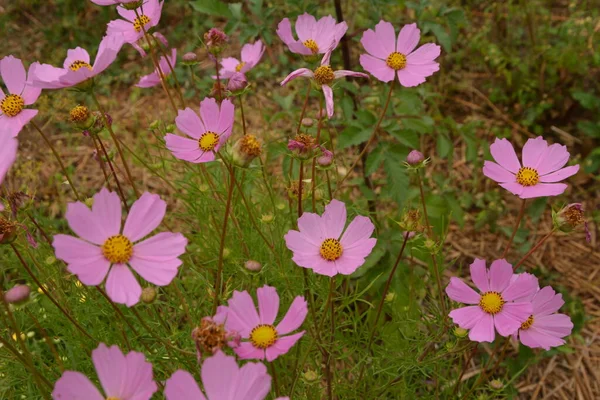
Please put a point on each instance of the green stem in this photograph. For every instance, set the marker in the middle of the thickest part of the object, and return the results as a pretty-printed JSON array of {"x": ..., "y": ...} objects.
[{"x": 514, "y": 232}]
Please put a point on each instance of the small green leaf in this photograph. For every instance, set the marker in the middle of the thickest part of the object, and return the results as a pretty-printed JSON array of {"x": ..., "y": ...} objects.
[
  {"x": 375, "y": 158},
  {"x": 212, "y": 7},
  {"x": 353, "y": 135},
  {"x": 441, "y": 34}
]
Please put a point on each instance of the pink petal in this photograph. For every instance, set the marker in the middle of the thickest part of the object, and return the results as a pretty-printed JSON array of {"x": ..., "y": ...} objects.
[
  {"x": 139, "y": 383},
  {"x": 76, "y": 54},
  {"x": 144, "y": 216},
  {"x": 324, "y": 33},
  {"x": 306, "y": 26},
  {"x": 424, "y": 54},
  {"x": 45, "y": 76},
  {"x": 342, "y": 73},
  {"x": 219, "y": 376},
  {"x": 209, "y": 112},
  {"x": 532, "y": 151},
  {"x": 543, "y": 190},
  {"x": 253, "y": 383},
  {"x": 129, "y": 15},
  {"x": 187, "y": 149},
  {"x": 153, "y": 8},
  {"x": 284, "y": 31},
  {"x": 160, "y": 273},
  {"x": 554, "y": 158},
  {"x": 546, "y": 302},
  {"x": 294, "y": 317},
  {"x": 30, "y": 93},
  {"x": 107, "y": 208},
  {"x": 513, "y": 187},
  {"x": 252, "y": 53},
  {"x": 125, "y": 30},
  {"x": 190, "y": 123},
  {"x": 86, "y": 224},
  {"x": 92, "y": 273},
  {"x": 246, "y": 351},
  {"x": 268, "y": 304},
  {"x": 354, "y": 257},
  {"x": 408, "y": 39},
  {"x": 302, "y": 72},
  {"x": 311, "y": 227},
  {"x": 282, "y": 346},
  {"x": 12, "y": 126},
  {"x": 360, "y": 229},
  {"x": 556, "y": 324},
  {"x": 161, "y": 247},
  {"x": 75, "y": 386},
  {"x": 316, "y": 263},
  {"x": 411, "y": 76},
  {"x": 111, "y": 368},
  {"x": 483, "y": 330},
  {"x": 226, "y": 117},
  {"x": 299, "y": 243},
  {"x": 122, "y": 287},
  {"x": 242, "y": 316},
  {"x": 13, "y": 74},
  {"x": 328, "y": 93},
  {"x": 504, "y": 154},
  {"x": 509, "y": 320},
  {"x": 479, "y": 275},
  {"x": 299, "y": 48},
  {"x": 525, "y": 285},
  {"x": 500, "y": 274},
  {"x": 229, "y": 65},
  {"x": 182, "y": 386},
  {"x": 148, "y": 81},
  {"x": 536, "y": 338},
  {"x": 381, "y": 42},
  {"x": 459, "y": 291},
  {"x": 334, "y": 219},
  {"x": 378, "y": 68},
  {"x": 107, "y": 53},
  {"x": 8, "y": 154},
  {"x": 74, "y": 250},
  {"x": 560, "y": 175},
  {"x": 497, "y": 173},
  {"x": 467, "y": 317}
]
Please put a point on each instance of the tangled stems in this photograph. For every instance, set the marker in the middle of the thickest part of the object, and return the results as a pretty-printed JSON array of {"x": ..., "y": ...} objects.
[
  {"x": 177, "y": 85},
  {"x": 512, "y": 237},
  {"x": 112, "y": 170},
  {"x": 313, "y": 182},
  {"x": 364, "y": 150},
  {"x": 487, "y": 372},
  {"x": 101, "y": 162},
  {"x": 464, "y": 369},
  {"x": 57, "y": 156}
]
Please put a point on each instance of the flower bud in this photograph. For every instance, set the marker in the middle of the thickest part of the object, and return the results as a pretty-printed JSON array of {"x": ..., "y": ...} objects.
[
  {"x": 215, "y": 39},
  {"x": 308, "y": 122},
  {"x": 81, "y": 117},
  {"x": 302, "y": 146},
  {"x": 411, "y": 221},
  {"x": 460, "y": 332},
  {"x": 310, "y": 375},
  {"x": 326, "y": 158},
  {"x": 253, "y": 266},
  {"x": 267, "y": 218},
  {"x": 408, "y": 235},
  {"x": 154, "y": 124},
  {"x": 496, "y": 384},
  {"x": 132, "y": 5},
  {"x": 8, "y": 231},
  {"x": 226, "y": 253},
  {"x": 148, "y": 295},
  {"x": 237, "y": 82},
  {"x": 415, "y": 157},
  {"x": 450, "y": 345},
  {"x": 390, "y": 297},
  {"x": 18, "y": 294},
  {"x": 190, "y": 58},
  {"x": 245, "y": 149}
]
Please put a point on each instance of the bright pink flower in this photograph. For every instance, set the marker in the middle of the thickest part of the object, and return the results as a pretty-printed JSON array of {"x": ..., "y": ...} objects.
[
  {"x": 13, "y": 114},
  {"x": 8, "y": 155},
  {"x": 544, "y": 328},
  {"x": 324, "y": 77},
  {"x": 77, "y": 67},
  {"x": 498, "y": 304},
  {"x": 222, "y": 379},
  {"x": 315, "y": 37},
  {"x": 112, "y": 2},
  {"x": 542, "y": 168},
  {"x": 318, "y": 245},
  {"x": 107, "y": 250},
  {"x": 388, "y": 57},
  {"x": 264, "y": 338},
  {"x": 132, "y": 26},
  {"x": 209, "y": 131},
  {"x": 153, "y": 79},
  {"x": 121, "y": 377},
  {"x": 251, "y": 55}
]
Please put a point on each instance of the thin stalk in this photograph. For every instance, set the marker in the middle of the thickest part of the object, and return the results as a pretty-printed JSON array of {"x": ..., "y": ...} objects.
[
  {"x": 537, "y": 246},
  {"x": 218, "y": 80},
  {"x": 332, "y": 339},
  {"x": 47, "y": 339},
  {"x": 300, "y": 184},
  {"x": 314, "y": 160},
  {"x": 373, "y": 135},
  {"x": 57, "y": 156},
  {"x": 275, "y": 380},
  {"x": 512, "y": 237},
  {"x": 484, "y": 373},
  {"x": 39, "y": 228},
  {"x": 243, "y": 117},
  {"x": 6, "y": 344},
  {"x": 464, "y": 369},
  {"x": 177, "y": 85},
  {"x": 114, "y": 173},
  {"x": 101, "y": 161},
  {"x": 304, "y": 108}
]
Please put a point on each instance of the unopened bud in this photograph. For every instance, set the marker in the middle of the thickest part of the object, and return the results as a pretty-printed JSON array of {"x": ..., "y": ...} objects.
[
  {"x": 307, "y": 122},
  {"x": 237, "y": 82},
  {"x": 267, "y": 218},
  {"x": 245, "y": 149},
  {"x": 154, "y": 124},
  {"x": 148, "y": 295},
  {"x": 415, "y": 157},
  {"x": 408, "y": 235},
  {"x": 226, "y": 253},
  {"x": 390, "y": 297},
  {"x": 131, "y": 5},
  {"x": 326, "y": 158},
  {"x": 496, "y": 384},
  {"x": 310, "y": 375},
  {"x": 450, "y": 345},
  {"x": 190, "y": 58},
  {"x": 171, "y": 128},
  {"x": 253, "y": 266},
  {"x": 18, "y": 294},
  {"x": 460, "y": 332}
]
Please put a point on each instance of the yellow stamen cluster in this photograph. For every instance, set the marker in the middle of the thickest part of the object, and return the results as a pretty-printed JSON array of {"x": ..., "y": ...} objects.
[
  {"x": 117, "y": 249},
  {"x": 250, "y": 146},
  {"x": 528, "y": 176},
  {"x": 78, "y": 64},
  {"x": 263, "y": 336},
  {"x": 12, "y": 105},
  {"x": 331, "y": 249},
  {"x": 324, "y": 75},
  {"x": 208, "y": 141},
  {"x": 396, "y": 61},
  {"x": 491, "y": 302},
  {"x": 527, "y": 324},
  {"x": 79, "y": 114},
  {"x": 140, "y": 22},
  {"x": 311, "y": 45},
  {"x": 239, "y": 67}
]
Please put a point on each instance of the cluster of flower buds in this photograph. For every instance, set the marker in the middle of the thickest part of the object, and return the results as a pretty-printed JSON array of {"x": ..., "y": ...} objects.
[
  {"x": 215, "y": 41},
  {"x": 90, "y": 122}
]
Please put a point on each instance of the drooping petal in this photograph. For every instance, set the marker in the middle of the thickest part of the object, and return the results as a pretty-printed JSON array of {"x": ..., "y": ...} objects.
[
  {"x": 378, "y": 68},
  {"x": 328, "y": 93},
  {"x": 302, "y": 72},
  {"x": 182, "y": 386},
  {"x": 148, "y": 81},
  {"x": 459, "y": 291},
  {"x": 504, "y": 154},
  {"x": 75, "y": 386},
  {"x": 560, "y": 175},
  {"x": 294, "y": 317},
  {"x": 13, "y": 74},
  {"x": 282, "y": 346},
  {"x": 144, "y": 216},
  {"x": 342, "y": 73},
  {"x": 268, "y": 304},
  {"x": 479, "y": 275},
  {"x": 242, "y": 316},
  {"x": 122, "y": 287},
  {"x": 543, "y": 190},
  {"x": 500, "y": 273},
  {"x": 408, "y": 39},
  {"x": 497, "y": 173}
]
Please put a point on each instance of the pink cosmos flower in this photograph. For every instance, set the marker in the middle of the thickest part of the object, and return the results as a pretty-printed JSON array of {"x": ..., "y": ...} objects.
[
  {"x": 251, "y": 55},
  {"x": 323, "y": 76},
  {"x": 135, "y": 22},
  {"x": 222, "y": 380},
  {"x": 13, "y": 114},
  {"x": 544, "y": 328},
  {"x": 112, "y": 2},
  {"x": 153, "y": 79},
  {"x": 107, "y": 250},
  {"x": 388, "y": 57},
  {"x": 499, "y": 303},
  {"x": 542, "y": 168},
  {"x": 8, "y": 155},
  {"x": 209, "y": 131},
  {"x": 77, "y": 67},
  {"x": 264, "y": 338},
  {"x": 121, "y": 377},
  {"x": 315, "y": 37},
  {"x": 318, "y": 245}
]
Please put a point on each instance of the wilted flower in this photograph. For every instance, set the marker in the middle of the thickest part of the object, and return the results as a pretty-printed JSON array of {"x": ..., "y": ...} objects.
[
  {"x": 302, "y": 145},
  {"x": 237, "y": 82},
  {"x": 326, "y": 158},
  {"x": 8, "y": 230},
  {"x": 245, "y": 149},
  {"x": 570, "y": 217},
  {"x": 17, "y": 294},
  {"x": 215, "y": 39}
]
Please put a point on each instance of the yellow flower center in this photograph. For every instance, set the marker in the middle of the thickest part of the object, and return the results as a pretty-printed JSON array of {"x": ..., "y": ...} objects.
[
  {"x": 76, "y": 65},
  {"x": 311, "y": 45},
  {"x": 528, "y": 176},
  {"x": 491, "y": 302},
  {"x": 79, "y": 114},
  {"x": 112, "y": 398},
  {"x": 140, "y": 22},
  {"x": 263, "y": 336},
  {"x": 239, "y": 67},
  {"x": 396, "y": 60},
  {"x": 208, "y": 141},
  {"x": 117, "y": 249},
  {"x": 331, "y": 249},
  {"x": 324, "y": 75},
  {"x": 12, "y": 105},
  {"x": 250, "y": 146},
  {"x": 527, "y": 324}
]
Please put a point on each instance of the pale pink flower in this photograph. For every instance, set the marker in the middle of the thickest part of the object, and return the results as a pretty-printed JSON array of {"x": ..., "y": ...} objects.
[
  {"x": 315, "y": 37},
  {"x": 264, "y": 339},
  {"x": 163, "y": 69},
  {"x": 104, "y": 249},
  {"x": 13, "y": 114},
  {"x": 208, "y": 132},
  {"x": 8, "y": 155},
  {"x": 324, "y": 77},
  {"x": 77, "y": 67},
  {"x": 544, "y": 328},
  {"x": 542, "y": 168},
  {"x": 317, "y": 244},
  {"x": 121, "y": 376},
  {"x": 135, "y": 22},
  {"x": 388, "y": 57},
  {"x": 251, "y": 55},
  {"x": 497, "y": 306},
  {"x": 222, "y": 379},
  {"x": 112, "y": 2}
]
